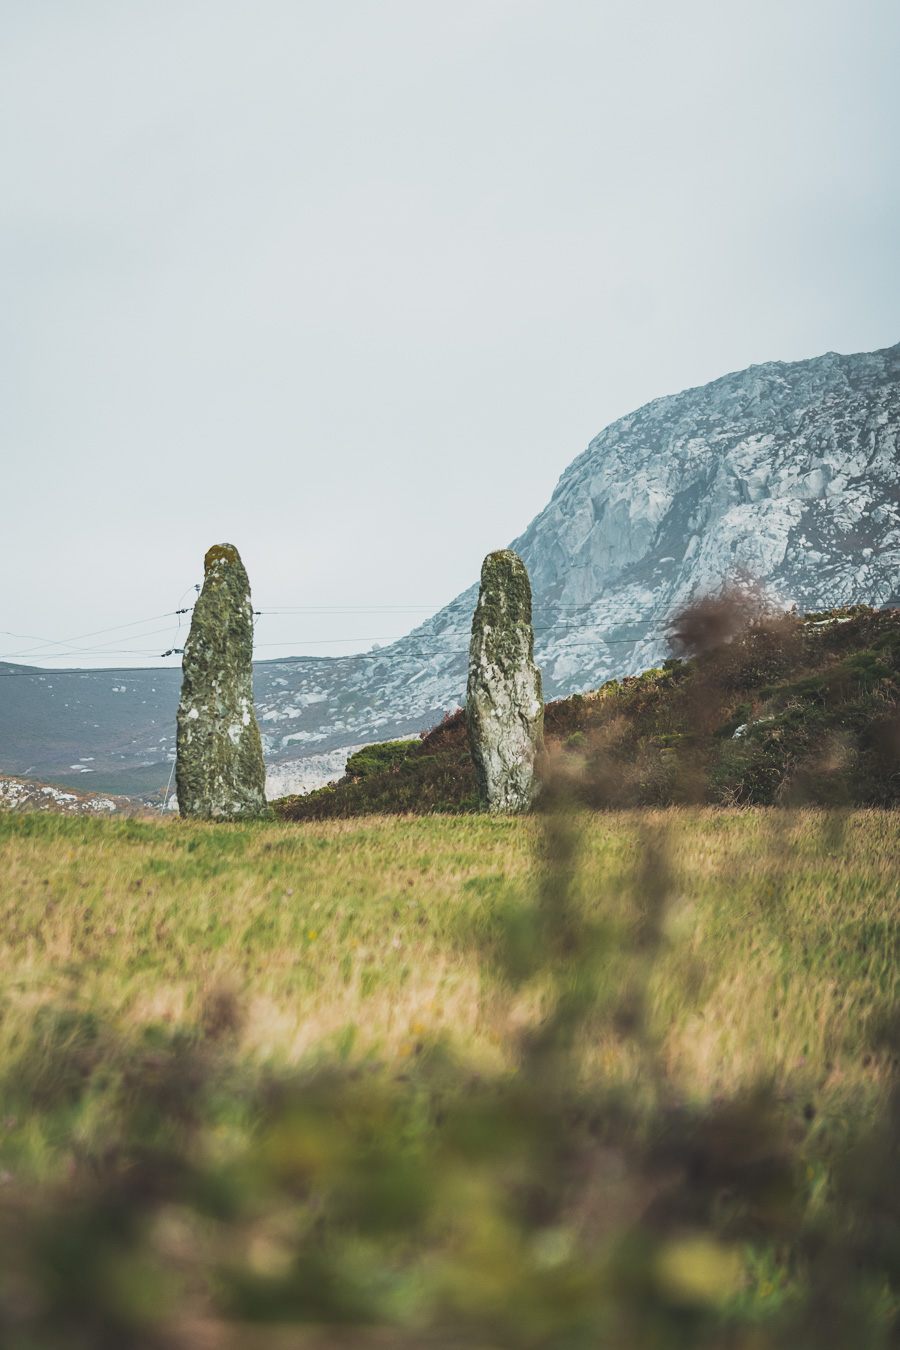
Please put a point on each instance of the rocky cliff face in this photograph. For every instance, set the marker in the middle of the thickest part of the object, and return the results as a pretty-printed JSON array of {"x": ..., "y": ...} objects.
[
  {"x": 787, "y": 472},
  {"x": 18, "y": 795}
]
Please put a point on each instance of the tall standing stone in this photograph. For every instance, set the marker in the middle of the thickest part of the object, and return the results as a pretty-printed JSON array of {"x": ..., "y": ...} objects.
[
  {"x": 504, "y": 700},
  {"x": 219, "y": 769}
]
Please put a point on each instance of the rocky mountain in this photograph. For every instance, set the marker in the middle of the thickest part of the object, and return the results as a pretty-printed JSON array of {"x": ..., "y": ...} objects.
[
  {"x": 18, "y": 795},
  {"x": 789, "y": 473},
  {"x": 786, "y": 472}
]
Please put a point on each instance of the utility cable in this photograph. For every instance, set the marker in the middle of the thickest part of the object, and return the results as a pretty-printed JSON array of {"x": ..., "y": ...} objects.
[
  {"x": 102, "y": 650},
  {"x": 291, "y": 660},
  {"x": 94, "y": 651},
  {"x": 61, "y": 642}
]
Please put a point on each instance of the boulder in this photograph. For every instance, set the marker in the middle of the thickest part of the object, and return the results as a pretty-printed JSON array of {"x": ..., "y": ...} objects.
[
  {"x": 504, "y": 700},
  {"x": 219, "y": 769}
]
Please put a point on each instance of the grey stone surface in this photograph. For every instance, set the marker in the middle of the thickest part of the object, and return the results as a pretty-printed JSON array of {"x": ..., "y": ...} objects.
[
  {"x": 504, "y": 701},
  {"x": 219, "y": 769}
]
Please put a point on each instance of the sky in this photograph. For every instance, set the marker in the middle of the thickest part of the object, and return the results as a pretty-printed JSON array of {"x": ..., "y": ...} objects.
[{"x": 349, "y": 283}]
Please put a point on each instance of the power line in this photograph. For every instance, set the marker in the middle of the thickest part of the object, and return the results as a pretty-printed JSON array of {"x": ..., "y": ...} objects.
[
  {"x": 596, "y": 646},
  {"x": 289, "y": 611},
  {"x": 85, "y": 674},
  {"x": 399, "y": 637},
  {"x": 102, "y": 650},
  {"x": 92, "y": 651},
  {"x": 289, "y": 660},
  {"x": 273, "y": 612},
  {"x": 588, "y": 611},
  {"x": 387, "y": 609},
  {"x": 464, "y": 651},
  {"x": 61, "y": 642}
]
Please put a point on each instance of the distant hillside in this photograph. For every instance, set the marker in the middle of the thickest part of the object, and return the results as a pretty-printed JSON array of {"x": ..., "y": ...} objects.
[
  {"x": 788, "y": 472},
  {"x": 114, "y": 731},
  {"x": 791, "y": 711},
  {"x": 110, "y": 730},
  {"x": 17, "y": 794}
]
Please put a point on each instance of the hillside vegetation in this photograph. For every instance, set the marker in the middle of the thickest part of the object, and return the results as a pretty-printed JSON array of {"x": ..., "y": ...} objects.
[
  {"x": 555, "y": 1081},
  {"x": 789, "y": 711}
]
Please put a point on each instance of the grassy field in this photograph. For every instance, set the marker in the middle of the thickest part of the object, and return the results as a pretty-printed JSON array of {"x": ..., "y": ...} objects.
[
  {"x": 782, "y": 933},
  {"x": 167, "y": 988}
]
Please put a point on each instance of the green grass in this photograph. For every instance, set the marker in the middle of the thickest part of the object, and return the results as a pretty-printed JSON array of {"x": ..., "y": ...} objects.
[
  {"x": 448, "y": 1072},
  {"x": 782, "y": 934},
  {"x": 315, "y": 930}
]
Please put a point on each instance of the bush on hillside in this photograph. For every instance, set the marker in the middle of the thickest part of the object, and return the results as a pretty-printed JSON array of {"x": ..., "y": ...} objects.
[
  {"x": 789, "y": 709},
  {"x": 432, "y": 774},
  {"x": 373, "y": 759}
]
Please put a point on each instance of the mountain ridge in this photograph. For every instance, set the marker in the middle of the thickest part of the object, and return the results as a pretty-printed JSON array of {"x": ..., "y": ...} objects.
[{"x": 785, "y": 471}]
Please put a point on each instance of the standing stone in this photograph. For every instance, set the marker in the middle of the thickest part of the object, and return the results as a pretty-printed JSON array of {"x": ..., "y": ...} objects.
[
  {"x": 504, "y": 700},
  {"x": 219, "y": 769}
]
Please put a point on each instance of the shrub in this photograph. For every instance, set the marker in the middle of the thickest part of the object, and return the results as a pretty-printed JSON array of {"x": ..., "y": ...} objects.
[{"x": 373, "y": 759}]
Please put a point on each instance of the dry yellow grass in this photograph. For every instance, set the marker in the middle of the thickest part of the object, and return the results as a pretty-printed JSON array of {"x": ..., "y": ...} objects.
[
  {"x": 366, "y": 938},
  {"x": 194, "y": 1182}
]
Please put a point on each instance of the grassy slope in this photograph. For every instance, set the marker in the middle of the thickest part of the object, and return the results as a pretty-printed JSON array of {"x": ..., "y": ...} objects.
[
  {"x": 366, "y": 939},
  {"x": 164, "y": 1181},
  {"x": 819, "y": 698}
]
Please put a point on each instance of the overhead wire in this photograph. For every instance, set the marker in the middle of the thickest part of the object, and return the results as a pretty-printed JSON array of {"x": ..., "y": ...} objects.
[
  {"x": 103, "y": 649},
  {"x": 85, "y": 672},
  {"x": 420, "y": 650},
  {"x": 290, "y": 660},
  {"x": 93, "y": 651},
  {"x": 66, "y": 650},
  {"x": 72, "y": 651},
  {"x": 96, "y": 632}
]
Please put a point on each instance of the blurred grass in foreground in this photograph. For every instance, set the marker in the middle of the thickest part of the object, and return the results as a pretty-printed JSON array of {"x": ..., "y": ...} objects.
[{"x": 560, "y": 1082}]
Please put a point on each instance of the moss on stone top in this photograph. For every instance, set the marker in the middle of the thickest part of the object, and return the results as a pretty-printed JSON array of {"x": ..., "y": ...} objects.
[
  {"x": 221, "y": 553},
  {"x": 501, "y": 626}
]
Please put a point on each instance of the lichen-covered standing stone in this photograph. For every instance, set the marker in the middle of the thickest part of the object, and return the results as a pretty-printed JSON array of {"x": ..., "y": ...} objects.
[
  {"x": 504, "y": 700},
  {"x": 219, "y": 769}
]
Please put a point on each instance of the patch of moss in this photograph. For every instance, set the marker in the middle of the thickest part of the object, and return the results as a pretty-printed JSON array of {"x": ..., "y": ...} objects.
[
  {"x": 374, "y": 759},
  {"x": 221, "y": 552}
]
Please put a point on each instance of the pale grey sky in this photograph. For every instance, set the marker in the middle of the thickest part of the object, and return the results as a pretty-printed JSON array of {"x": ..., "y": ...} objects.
[{"x": 348, "y": 283}]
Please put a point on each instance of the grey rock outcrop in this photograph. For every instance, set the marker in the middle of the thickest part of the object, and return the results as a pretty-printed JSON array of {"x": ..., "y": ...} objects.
[
  {"x": 788, "y": 472},
  {"x": 219, "y": 769},
  {"x": 504, "y": 701}
]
